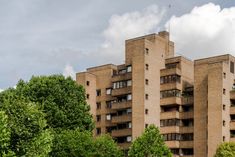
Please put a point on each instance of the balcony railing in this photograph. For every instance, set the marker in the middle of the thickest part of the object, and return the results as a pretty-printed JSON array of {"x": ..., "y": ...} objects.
[
  {"x": 169, "y": 115},
  {"x": 186, "y": 115},
  {"x": 121, "y": 91},
  {"x": 121, "y": 132},
  {"x": 172, "y": 144},
  {"x": 170, "y": 100},
  {"x": 169, "y": 129},
  {"x": 121, "y": 105},
  {"x": 186, "y": 144},
  {"x": 232, "y": 94},
  {"x": 232, "y": 125},
  {"x": 171, "y": 71},
  {"x": 121, "y": 77},
  {"x": 232, "y": 110},
  {"x": 186, "y": 129},
  {"x": 122, "y": 118},
  {"x": 169, "y": 86}
]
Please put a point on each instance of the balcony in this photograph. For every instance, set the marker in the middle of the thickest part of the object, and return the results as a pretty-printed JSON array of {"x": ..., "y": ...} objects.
[
  {"x": 121, "y": 105},
  {"x": 121, "y": 91},
  {"x": 232, "y": 139},
  {"x": 186, "y": 129},
  {"x": 122, "y": 118},
  {"x": 232, "y": 110},
  {"x": 170, "y": 100},
  {"x": 169, "y": 86},
  {"x": 186, "y": 144},
  {"x": 121, "y": 132},
  {"x": 232, "y": 125},
  {"x": 169, "y": 115},
  {"x": 232, "y": 94},
  {"x": 171, "y": 71},
  {"x": 186, "y": 115},
  {"x": 121, "y": 77},
  {"x": 172, "y": 144},
  {"x": 187, "y": 100},
  {"x": 169, "y": 129}
]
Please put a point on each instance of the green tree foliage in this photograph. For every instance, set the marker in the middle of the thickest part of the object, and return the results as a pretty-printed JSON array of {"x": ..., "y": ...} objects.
[
  {"x": 226, "y": 149},
  {"x": 106, "y": 147},
  {"x": 25, "y": 123},
  {"x": 73, "y": 143},
  {"x": 61, "y": 99},
  {"x": 5, "y": 136},
  {"x": 149, "y": 144}
]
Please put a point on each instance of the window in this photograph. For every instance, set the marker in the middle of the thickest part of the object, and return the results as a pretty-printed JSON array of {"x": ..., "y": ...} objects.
[
  {"x": 223, "y": 138},
  {"x": 146, "y": 67},
  {"x": 146, "y": 81},
  {"x": 187, "y": 137},
  {"x": 224, "y": 75},
  {"x": 108, "y": 117},
  {"x": 170, "y": 93},
  {"x": 98, "y": 92},
  {"x": 224, "y": 107},
  {"x": 108, "y": 104},
  {"x": 98, "y": 105},
  {"x": 98, "y": 131},
  {"x": 187, "y": 151},
  {"x": 172, "y": 65},
  {"x": 129, "y": 125},
  {"x": 224, "y": 123},
  {"x": 129, "y": 82},
  {"x": 122, "y": 84},
  {"x": 108, "y": 91},
  {"x": 232, "y": 67},
  {"x": 224, "y": 91},
  {"x": 128, "y": 111},
  {"x": 146, "y": 111},
  {"x": 129, "y": 68},
  {"x": 129, "y": 97},
  {"x": 87, "y": 96},
  {"x": 146, "y": 96},
  {"x": 87, "y": 83},
  {"x": 169, "y": 122},
  {"x": 146, "y": 51},
  {"x": 170, "y": 79},
  {"x": 175, "y": 151},
  {"x": 98, "y": 118},
  {"x": 146, "y": 125}
]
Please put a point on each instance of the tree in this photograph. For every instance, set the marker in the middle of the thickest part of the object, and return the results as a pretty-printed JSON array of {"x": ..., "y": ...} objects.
[
  {"x": 61, "y": 99},
  {"x": 73, "y": 143},
  {"x": 106, "y": 147},
  {"x": 226, "y": 149},
  {"x": 149, "y": 144},
  {"x": 26, "y": 123},
  {"x": 5, "y": 136}
]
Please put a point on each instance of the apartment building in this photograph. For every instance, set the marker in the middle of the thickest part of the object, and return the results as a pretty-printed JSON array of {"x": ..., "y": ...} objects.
[{"x": 190, "y": 101}]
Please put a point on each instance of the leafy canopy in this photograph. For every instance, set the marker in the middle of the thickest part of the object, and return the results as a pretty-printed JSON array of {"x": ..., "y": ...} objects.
[
  {"x": 149, "y": 144},
  {"x": 26, "y": 125},
  {"x": 106, "y": 147},
  {"x": 226, "y": 149},
  {"x": 61, "y": 99}
]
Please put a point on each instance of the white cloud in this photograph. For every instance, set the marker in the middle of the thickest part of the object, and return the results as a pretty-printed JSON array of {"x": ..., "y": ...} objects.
[
  {"x": 69, "y": 71},
  {"x": 205, "y": 31},
  {"x": 129, "y": 25}
]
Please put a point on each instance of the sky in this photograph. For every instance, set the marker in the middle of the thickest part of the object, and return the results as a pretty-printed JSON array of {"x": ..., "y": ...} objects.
[{"x": 43, "y": 37}]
